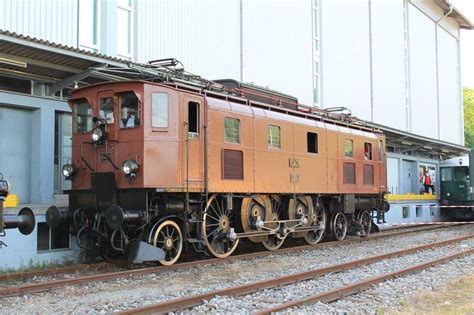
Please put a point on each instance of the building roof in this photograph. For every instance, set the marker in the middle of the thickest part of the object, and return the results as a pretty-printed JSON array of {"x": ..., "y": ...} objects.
[
  {"x": 56, "y": 64},
  {"x": 463, "y": 21}
]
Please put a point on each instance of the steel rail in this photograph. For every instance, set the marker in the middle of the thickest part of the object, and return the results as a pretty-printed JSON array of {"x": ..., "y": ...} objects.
[
  {"x": 338, "y": 293},
  {"x": 20, "y": 276},
  {"x": 190, "y": 301},
  {"x": 45, "y": 286}
]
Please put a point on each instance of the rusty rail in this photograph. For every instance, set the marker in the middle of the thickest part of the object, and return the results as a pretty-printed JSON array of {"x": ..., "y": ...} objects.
[
  {"x": 338, "y": 293},
  {"x": 40, "y": 287},
  {"x": 190, "y": 301}
]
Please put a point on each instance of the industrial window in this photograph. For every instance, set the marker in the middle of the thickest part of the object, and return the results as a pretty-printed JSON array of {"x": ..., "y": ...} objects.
[
  {"x": 124, "y": 28},
  {"x": 349, "y": 173},
  {"x": 83, "y": 116},
  {"x": 274, "y": 136},
  {"x": 406, "y": 212},
  {"x": 348, "y": 148},
  {"x": 193, "y": 118},
  {"x": 159, "y": 110},
  {"x": 106, "y": 111},
  {"x": 368, "y": 174},
  {"x": 89, "y": 21},
  {"x": 129, "y": 111},
  {"x": 232, "y": 130},
  {"x": 367, "y": 151},
  {"x": 49, "y": 239},
  {"x": 14, "y": 84},
  {"x": 312, "y": 140},
  {"x": 419, "y": 211}
]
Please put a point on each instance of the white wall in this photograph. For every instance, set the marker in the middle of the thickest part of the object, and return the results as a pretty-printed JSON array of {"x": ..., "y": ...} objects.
[
  {"x": 423, "y": 87},
  {"x": 388, "y": 64},
  {"x": 204, "y": 35},
  {"x": 55, "y": 21},
  {"x": 345, "y": 55},
  {"x": 277, "y": 46},
  {"x": 449, "y": 102}
]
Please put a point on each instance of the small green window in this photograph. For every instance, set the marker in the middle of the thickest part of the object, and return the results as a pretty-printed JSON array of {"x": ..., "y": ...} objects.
[
  {"x": 274, "y": 136},
  {"x": 232, "y": 130},
  {"x": 348, "y": 148}
]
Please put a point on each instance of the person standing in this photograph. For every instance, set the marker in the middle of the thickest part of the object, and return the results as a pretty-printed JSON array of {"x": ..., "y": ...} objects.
[{"x": 428, "y": 182}]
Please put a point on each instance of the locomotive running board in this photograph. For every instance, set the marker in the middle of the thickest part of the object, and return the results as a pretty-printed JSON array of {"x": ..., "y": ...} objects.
[{"x": 142, "y": 251}]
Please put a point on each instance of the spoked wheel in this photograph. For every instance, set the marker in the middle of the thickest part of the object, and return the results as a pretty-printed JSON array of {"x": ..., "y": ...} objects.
[
  {"x": 253, "y": 209},
  {"x": 365, "y": 221},
  {"x": 169, "y": 238},
  {"x": 318, "y": 221},
  {"x": 273, "y": 213},
  {"x": 339, "y": 226},
  {"x": 217, "y": 224}
]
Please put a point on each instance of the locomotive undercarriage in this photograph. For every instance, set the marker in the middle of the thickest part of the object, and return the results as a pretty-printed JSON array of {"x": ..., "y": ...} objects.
[{"x": 146, "y": 225}]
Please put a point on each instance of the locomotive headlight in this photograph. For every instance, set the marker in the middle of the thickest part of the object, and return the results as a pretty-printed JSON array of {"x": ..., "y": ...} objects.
[
  {"x": 68, "y": 170},
  {"x": 130, "y": 167},
  {"x": 97, "y": 135}
]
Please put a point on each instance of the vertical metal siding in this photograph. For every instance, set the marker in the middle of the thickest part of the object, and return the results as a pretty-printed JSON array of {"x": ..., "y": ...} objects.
[
  {"x": 204, "y": 35},
  {"x": 388, "y": 63},
  {"x": 448, "y": 88},
  {"x": 346, "y": 55},
  {"x": 424, "y": 118},
  {"x": 53, "y": 20},
  {"x": 277, "y": 51}
]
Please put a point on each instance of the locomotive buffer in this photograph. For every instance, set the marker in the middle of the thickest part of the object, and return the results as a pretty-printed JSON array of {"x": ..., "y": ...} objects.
[{"x": 24, "y": 221}]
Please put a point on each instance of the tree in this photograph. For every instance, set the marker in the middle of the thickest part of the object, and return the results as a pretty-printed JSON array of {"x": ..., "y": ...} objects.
[{"x": 468, "y": 100}]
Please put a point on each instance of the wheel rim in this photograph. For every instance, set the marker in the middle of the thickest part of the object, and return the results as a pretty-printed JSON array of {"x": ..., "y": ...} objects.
[
  {"x": 251, "y": 209},
  {"x": 273, "y": 242},
  {"x": 217, "y": 222},
  {"x": 365, "y": 220},
  {"x": 315, "y": 236},
  {"x": 169, "y": 238},
  {"x": 339, "y": 226}
]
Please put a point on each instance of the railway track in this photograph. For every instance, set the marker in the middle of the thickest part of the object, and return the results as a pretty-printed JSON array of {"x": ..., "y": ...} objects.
[
  {"x": 327, "y": 296},
  {"x": 45, "y": 286}
]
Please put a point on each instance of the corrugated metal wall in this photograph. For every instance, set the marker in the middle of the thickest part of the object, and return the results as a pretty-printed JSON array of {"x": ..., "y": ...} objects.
[
  {"x": 277, "y": 48},
  {"x": 204, "y": 35},
  {"x": 53, "y": 20}
]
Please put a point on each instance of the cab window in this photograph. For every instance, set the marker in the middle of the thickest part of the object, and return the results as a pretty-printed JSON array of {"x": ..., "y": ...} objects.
[
  {"x": 461, "y": 174},
  {"x": 83, "y": 116},
  {"x": 348, "y": 148},
  {"x": 232, "y": 130},
  {"x": 367, "y": 151},
  {"x": 274, "y": 136},
  {"x": 129, "y": 110},
  {"x": 159, "y": 110},
  {"x": 106, "y": 110},
  {"x": 446, "y": 174}
]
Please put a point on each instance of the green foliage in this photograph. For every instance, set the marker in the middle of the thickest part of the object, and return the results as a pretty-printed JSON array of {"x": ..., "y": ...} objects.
[{"x": 468, "y": 100}]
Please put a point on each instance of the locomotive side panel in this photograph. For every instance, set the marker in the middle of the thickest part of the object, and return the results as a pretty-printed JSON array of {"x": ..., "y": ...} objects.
[
  {"x": 274, "y": 151},
  {"x": 311, "y": 158},
  {"x": 230, "y": 147},
  {"x": 162, "y": 156},
  {"x": 332, "y": 160}
]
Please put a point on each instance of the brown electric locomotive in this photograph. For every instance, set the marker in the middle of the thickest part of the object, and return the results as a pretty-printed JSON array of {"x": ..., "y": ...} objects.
[{"x": 164, "y": 161}]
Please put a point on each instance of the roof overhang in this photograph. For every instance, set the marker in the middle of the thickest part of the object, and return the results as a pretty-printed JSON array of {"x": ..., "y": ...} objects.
[
  {"x": 411, "y": 144},
  {"x": 463, "y": 21},
  {"x": 56, "y": 65}
]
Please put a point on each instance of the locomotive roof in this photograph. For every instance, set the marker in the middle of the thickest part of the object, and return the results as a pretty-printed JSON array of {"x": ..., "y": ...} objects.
[
  {"x": 165, "y": 73},
  {"x": 457, "y": 161}
]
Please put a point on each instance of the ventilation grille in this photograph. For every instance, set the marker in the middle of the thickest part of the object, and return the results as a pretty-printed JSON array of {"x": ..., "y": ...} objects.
[
  {"x": 349, "y": 173},
  {"x": 368, "y": 174},
  {"x": 233, "y": 164}
]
